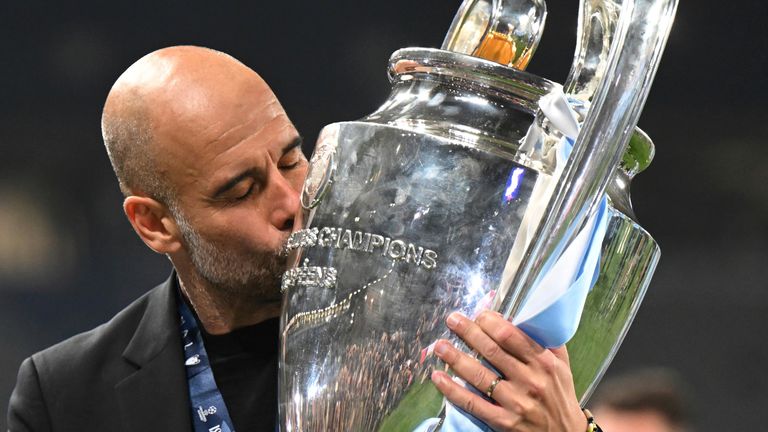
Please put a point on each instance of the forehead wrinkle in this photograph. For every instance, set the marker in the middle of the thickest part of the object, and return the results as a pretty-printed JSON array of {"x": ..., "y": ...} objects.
[
  {"x": 275, "y": 118},
  {"x": 272, "y": 109},
  {"x": 205, "y": 175}
]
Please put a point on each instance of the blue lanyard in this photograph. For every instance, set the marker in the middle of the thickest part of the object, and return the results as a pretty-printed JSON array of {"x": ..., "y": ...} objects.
[{"x": 209, "y": 413}]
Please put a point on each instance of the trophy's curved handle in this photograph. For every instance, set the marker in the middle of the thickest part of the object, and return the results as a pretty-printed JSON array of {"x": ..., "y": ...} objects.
[
  {"x": 503, "y": 31},
  {"x": 630, "y": 65},
  {"x": 598, "y": 21}
]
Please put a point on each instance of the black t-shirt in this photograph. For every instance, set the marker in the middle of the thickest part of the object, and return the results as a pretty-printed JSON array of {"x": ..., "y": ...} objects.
[{"x": 244, "y": 364}]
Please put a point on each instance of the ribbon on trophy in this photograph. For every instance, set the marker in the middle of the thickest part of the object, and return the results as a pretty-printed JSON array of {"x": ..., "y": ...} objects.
[{"x": 551, "y": 313}]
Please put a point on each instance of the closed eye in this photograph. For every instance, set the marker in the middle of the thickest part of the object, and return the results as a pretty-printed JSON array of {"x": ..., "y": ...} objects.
[
  {"x": 292, "y": 155},
  {"x": 290, "y": 166},
  {"x": 247, "y": 193},
  {"x": 240, "y": 187}
]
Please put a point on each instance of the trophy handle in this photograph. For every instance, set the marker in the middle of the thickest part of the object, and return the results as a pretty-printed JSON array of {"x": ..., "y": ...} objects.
[
  {"x": 620, "y": 93},
  {"x": 597, "y": 30}
]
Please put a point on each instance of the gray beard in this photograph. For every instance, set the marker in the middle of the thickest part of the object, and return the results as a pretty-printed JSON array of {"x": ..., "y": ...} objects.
[{"x": 251, "y": 277}]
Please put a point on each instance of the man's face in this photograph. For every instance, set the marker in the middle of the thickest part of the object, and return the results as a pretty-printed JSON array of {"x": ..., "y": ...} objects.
[
  {"x": 632, "y": 421},
  {"x": 236, "y": 162}
]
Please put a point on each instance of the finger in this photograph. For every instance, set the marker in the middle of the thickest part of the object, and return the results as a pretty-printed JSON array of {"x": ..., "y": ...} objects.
[
  {"x": 481, "y": 342},
  {"x": 513, "y": 340},
  {"x": 493, "y": 415},
  {"x": 473, "y": 371},
  {"x": 562, "y": 354}
]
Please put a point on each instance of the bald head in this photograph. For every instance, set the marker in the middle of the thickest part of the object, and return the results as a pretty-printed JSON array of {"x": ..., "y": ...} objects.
[
  {"x": 211, "y": 167},
  {"x": 161, "y": 105}
]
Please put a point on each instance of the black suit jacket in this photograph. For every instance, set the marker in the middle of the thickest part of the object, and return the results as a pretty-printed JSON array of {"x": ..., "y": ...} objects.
[{"x": 125, "y": 375}]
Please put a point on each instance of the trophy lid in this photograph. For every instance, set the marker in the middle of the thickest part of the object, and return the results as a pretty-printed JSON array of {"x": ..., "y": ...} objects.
[{"x": 503, "y": 31}]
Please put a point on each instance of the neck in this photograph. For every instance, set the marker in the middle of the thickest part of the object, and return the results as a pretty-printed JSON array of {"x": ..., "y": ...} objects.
[{"x": 221, "y": 312}]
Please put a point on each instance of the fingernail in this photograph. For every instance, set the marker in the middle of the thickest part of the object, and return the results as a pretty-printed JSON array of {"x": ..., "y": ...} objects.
[
  {"x": 453, "y": 319},
  {"x": 437, "y": 377},
  {"x": 441, "y": 349}
]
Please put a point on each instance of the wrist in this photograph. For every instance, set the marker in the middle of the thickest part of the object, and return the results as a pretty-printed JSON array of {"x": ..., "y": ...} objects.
[{"x": 591, "y": 424}]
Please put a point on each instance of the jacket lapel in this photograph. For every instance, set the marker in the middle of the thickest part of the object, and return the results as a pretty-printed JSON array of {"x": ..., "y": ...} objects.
[{"x": 155, "y": 397}]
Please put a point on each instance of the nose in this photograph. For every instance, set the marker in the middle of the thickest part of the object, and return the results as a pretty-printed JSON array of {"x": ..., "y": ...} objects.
[{"x": 285, "y": 201}]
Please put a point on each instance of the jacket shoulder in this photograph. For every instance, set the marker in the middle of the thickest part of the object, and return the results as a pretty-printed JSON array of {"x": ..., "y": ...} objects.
[
  {"x": 78, "y": 376},
  {"x": 95, "y": 346},
  {"x": 72, "y": 383}
]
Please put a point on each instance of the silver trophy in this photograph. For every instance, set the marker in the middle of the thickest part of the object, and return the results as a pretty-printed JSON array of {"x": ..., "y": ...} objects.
[{"x": 450, "y": 197}]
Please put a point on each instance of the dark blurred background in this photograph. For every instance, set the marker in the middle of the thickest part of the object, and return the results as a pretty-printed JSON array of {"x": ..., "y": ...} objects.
[{"x": 69, "y": 260}]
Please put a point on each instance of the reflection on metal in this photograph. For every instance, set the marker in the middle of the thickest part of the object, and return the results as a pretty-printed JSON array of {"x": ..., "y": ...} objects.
[
  {"x": 513, "y": 184},
  {"x": 505, "y": 32},
  {"x": 629, "y": 258},
  {"x": 321, "y": 169}
]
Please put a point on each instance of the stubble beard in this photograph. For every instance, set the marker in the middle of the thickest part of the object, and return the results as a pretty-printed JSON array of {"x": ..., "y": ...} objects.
[{"x": 253, "y": 276}]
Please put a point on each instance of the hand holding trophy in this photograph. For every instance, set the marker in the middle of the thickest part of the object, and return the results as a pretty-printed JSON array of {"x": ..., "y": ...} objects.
[{"x": 474, "y": 187}]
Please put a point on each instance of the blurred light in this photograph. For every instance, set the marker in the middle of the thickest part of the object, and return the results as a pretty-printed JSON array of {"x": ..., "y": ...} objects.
[
  {"x": 513, "y": 184},
  {"x": 475, "y": 287},
  {"x": 314, "y": 390},
  {"x": 33, "y": 249},
  {"x": 474, "y": 100}
]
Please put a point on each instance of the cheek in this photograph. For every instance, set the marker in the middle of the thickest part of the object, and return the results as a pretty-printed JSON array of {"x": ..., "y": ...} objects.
[
  {"x": 252, "y": 229},
  {"x": 244, "y": 227}
]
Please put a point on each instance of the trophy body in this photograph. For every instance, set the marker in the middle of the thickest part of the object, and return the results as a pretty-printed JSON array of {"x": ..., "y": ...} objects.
[
  {"x": 407, "y": 244},
  {"x": 403, "y": 227},
  {"x": 429, "y": 205}
]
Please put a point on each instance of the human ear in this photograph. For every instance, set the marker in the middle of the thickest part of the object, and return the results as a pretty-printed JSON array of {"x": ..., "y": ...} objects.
[{"x": 153, "y": 223}]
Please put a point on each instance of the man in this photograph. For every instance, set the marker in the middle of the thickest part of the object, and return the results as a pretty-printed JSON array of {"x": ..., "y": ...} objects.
[
  {"x": 645, "y": 400},
  {"x": 211, "y": 167}
]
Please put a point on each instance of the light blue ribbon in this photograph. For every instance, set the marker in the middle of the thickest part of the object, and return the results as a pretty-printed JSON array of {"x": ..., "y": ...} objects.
[{"x": 557, "y": 323}]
